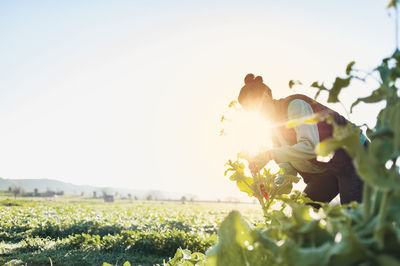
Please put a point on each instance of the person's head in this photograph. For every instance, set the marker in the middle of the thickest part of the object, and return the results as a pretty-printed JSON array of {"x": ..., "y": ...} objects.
[{"x": 254, "y": 94}]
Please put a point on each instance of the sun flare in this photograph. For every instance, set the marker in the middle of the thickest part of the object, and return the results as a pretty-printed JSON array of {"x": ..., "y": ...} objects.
[{"x": 250, "y": 131}]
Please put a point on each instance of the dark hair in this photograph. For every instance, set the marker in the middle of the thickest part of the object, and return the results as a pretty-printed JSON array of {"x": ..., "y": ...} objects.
[{"x": 254, "y": 88}]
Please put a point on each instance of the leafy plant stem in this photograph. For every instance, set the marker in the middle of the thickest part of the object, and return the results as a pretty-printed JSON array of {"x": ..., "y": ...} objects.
[
  {"x": 367, "y": 75},
  {"x": 381, "y": 217},
  {"x": 269, "y": 203},
  {"x": 264, "y": 208},
  {"x": 375, "y": 197},
  {"x": 366, "y": 202}
]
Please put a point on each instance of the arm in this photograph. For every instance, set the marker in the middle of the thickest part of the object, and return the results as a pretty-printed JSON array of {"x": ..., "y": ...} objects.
[
  {"x": 307, "y": 136},
  {"x": 288, "y": 169}
]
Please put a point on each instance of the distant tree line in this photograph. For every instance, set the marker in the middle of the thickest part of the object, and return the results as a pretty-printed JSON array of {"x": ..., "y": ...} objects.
[
  {"x": 105, "y": 194},
  {"x": 18, "y": 191}
]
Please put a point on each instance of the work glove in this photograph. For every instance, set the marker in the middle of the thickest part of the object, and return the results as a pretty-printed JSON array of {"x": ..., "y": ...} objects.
[
  {"x": 286, "y": 169},
  {"x": 280, "y": 179}
]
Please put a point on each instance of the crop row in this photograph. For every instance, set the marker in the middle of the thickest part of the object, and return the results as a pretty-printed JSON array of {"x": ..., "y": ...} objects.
[
  {"x": 90, "y": 234},
  {"x": 19, "y": 223}
]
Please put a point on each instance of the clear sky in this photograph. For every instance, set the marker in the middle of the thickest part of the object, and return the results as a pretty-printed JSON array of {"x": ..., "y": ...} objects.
[{"x": 130, "y": 93}]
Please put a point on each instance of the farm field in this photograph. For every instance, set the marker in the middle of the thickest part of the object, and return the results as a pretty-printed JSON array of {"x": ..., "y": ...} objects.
[
  {"x": 78, "y": 231},
  {"x": 125, "y": 98}
]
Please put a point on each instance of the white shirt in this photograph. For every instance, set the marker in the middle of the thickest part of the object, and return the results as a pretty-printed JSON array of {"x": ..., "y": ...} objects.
[{"x": 298, "y": 155}]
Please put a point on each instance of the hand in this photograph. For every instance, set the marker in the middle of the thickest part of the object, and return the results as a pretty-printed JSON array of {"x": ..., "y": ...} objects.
[
  {"x": 279, "y": 179},
  {"x": 254, "y": 168},
  {"x": 257, "y": 162}
]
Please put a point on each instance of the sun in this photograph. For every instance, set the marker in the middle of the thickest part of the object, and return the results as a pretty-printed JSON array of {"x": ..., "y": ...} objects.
[{"x": 250, "y": 131}]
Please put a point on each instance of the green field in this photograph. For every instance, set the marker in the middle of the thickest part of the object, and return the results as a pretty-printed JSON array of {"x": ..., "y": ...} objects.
[{"x": 79, "y": 231}]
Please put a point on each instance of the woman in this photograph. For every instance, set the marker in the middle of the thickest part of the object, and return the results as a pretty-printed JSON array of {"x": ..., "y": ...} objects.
[{"x": 294, "y": 148}]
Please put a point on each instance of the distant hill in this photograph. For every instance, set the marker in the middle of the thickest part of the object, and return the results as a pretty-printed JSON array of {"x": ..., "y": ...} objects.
[{"x": 55, "y": 185}]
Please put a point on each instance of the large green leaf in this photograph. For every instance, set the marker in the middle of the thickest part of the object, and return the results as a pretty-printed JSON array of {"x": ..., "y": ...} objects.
[
  {"x": 246, "y": 186},
  {"x": 309, "y": 256},
  {"x": 238, "y": 244},
  {"x": 349, "y": 249}
]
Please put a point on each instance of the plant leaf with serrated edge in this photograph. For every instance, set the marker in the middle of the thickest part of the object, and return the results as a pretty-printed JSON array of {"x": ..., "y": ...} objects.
[
  {"x": 375, "y": 97},
  {"x": 338, "y": 85}
]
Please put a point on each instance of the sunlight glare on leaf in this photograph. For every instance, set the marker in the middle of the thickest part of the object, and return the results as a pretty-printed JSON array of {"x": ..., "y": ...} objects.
[{"x": 325, "y": 159}]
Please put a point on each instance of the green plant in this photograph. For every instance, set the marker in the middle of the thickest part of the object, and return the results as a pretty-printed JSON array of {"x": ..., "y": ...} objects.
[
  {"x": 261, "y": 186},
  {"x": 353, "y": 234}
]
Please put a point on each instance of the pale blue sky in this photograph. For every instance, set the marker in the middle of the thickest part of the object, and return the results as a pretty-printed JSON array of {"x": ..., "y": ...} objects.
[{"x": 129, "y": 93}]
